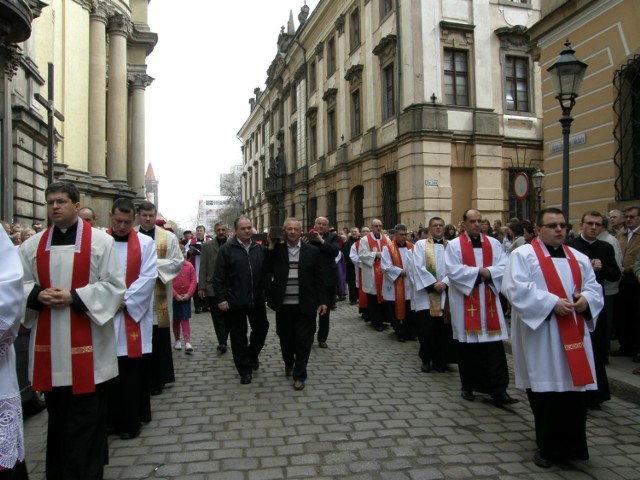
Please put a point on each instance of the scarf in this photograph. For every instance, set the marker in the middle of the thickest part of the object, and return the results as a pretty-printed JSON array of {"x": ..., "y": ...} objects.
[{"x": 398, "y": 284}]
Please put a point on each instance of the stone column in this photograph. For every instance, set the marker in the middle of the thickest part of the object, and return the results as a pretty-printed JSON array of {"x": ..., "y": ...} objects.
[
  {"x": 118, "y": 28},
  {"x": 97, "y": 86},
  {"x": 137, "y": 82}
]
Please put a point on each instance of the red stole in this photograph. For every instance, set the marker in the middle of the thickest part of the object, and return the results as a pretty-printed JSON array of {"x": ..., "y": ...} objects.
[
  {"x": 82, "y": 379},
  {"x": 472, "y": 316},
  {"x": 571, "y": 327},
  {"x": 134, "y": 263},
  {"x": 377, "y": 271},
  {"x": 398, "y": 284},
  {"x": 362, "y": 296}
]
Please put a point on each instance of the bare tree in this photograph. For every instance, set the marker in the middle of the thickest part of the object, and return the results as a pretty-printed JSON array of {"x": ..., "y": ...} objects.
[{"x": 231, "y": 187}]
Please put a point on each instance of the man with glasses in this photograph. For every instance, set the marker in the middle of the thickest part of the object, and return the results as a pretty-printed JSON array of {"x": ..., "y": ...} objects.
[
  {"x": 625, "y": 325},
  {"x": 370, "y": 253},
  {"x": 604, "y": 265},
  {"x": 555, "y": 300},
  {"x": 475, "y": 265}
]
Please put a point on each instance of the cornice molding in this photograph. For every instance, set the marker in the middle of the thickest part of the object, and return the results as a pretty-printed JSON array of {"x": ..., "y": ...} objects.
[
  {"x": 340, "y": 24},
  {"x": 386, "y": 48},
  {"x": 119, "y": 24},
  {"x": 354, "y": 74},
  {"x": 142, "y": 37}
]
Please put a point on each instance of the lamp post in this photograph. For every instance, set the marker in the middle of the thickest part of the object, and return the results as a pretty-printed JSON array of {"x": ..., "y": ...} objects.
[
  {"x": 567, "y": 74},
  {"x": 538, "y": 182},
  {"x": 303, "y": 200}
]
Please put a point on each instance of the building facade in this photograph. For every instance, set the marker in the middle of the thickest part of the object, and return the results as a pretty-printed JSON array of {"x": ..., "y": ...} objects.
[
  {"x": 98, "y": 51},
  {"x": 395, "y": 110},
  {"x": 604, "y": 168}
]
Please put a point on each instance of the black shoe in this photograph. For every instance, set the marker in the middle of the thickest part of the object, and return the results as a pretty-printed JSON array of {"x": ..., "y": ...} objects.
[
  {"x": 620, "y": 353},
  {"x": 298, "y": 385},
  {"x": 129, "y": 436},
  {"x": 401, "y": 339},
  {"x": 323, "y": 345},
  {"x": 636, "y": 358},
  {"x": 255, "y": 364},
  {"x": 288, "y": 371},
  {"x": 379, "y": 328},
  {"x": 594, "y": 406},
  {"x": 441, "y": 368},
  {"x": 206, "y": 309},
  {"x": 334, "y": 307},
  {"x": 156, "y": 391},
  {"x": 540, "y": 461},
  {"x": 222, "y": 349},
  {"x": 504, "y": 399},
  {"x": 198, "y": 310},
  {"x": 352, "y": 303},
  {"x": 425, "y": 368},
  {"x": 342, "y": 298},
  {"x": 467, "y": 395},
  {"x": 245, "y": 379}
]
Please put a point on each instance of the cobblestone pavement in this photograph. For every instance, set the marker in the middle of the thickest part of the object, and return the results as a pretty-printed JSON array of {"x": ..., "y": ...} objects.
[{"x": 367, "y": 412}]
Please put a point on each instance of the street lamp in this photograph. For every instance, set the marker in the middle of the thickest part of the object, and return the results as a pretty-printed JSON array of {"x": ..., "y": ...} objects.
[
  {"x": 567, "y": 74},
  {"x": 303, "y": 200},
  {"x": 538, "y": 182}
]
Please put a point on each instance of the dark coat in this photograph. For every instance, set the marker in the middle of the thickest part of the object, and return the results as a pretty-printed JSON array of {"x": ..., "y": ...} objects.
[
  {"x": 239, "y": 277},
  {"x": 328, "y": 252},
  {"x": 312, "y": 292},
  {"x": 208, "y": 259},
  {"x": 602, "y": 251}
]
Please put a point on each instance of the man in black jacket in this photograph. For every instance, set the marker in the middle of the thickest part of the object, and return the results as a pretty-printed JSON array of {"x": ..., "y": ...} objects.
[
  {"x": 354, "y": 236},
  {"x": 296, "y": 294},
  {"x": 238, "y": 281},
  {"x": 605, "y": 267},
  {"x": 327, "y": 243}
]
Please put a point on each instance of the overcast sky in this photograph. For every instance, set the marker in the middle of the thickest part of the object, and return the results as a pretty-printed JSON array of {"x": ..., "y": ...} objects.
[{"x": 210, "y": 56}]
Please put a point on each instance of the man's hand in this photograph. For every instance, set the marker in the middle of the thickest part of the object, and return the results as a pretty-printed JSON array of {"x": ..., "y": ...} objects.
[
  {"x": 485, "y": 274},
  {"x": 55, "y": 297},
  {"x": 563, "y": 307},
  {"x": 580, "y": 302},
  {"x": 201, "y": 294},
  {"x": 439, "y": 287},
  {"x": 322, "y": 309},
  {"x": 596, "y": 264},
  {"x": 224, "y": 306}
]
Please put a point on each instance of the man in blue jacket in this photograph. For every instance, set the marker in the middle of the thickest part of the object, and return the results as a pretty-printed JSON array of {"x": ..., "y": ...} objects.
[{"x": 238, "y": 281}]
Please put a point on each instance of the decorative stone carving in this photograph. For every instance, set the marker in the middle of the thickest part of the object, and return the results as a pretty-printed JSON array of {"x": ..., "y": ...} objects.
[
  {"x": 340, "y": 24},
  {"x": 456, "y": 34},
  {"x": 12, "y": 55},
  {"x": 513, "y": 38},
  {"x": 301, "y": 72},
  {"x": 139, "y": 80},
  {"x": 100, "y": 11},
  {"x": 386, "y": 49},
  {"x": 119, "y": 24},
  {"x": 320, "y": 50},
  {"x": 354, "y": 74},
  {"x": 330, "y": 96},
  {"x": 312, "y": 114}
]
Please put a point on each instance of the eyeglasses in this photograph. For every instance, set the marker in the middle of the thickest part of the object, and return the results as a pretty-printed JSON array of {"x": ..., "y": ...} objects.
[
  {"x": 594, "y": 224},
  {"x": 630, "y": 216},
  {"x": 553, "y": 226}
]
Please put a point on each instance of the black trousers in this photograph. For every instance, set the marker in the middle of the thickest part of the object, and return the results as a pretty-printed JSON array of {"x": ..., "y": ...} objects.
[
  {"x": 625, "y": 325},
  {"x": 483, "y": 367},
  {"x": 217, "y": 317},
  {"x": 432, "y": 336},
  {"x": 600, "y": 344},
  {"x": 375, "y": 310},
  {"x": 160, "y": 362},
  {"x": 129, "y": 397},
  {"x": 323, "y": 320},
  {"x": 18, "y": 472},
  {"x": 295, "y": 331},
  {"x": 561, "y": 423},
  {"x": 199, "y": 303},
  {"x": 351, "y": 282},
  {"x": 405, "y": 328},
  {"x": 247, "y": 350},
  {"x": 77, "y": 446}
]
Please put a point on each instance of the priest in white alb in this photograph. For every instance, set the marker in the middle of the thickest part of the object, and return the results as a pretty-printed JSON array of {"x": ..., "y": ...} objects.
[
  {"x": 130, "y": 392},
  {"x": 370, "y": 253},
  {"x": 73, "y": 288},
  {"x": 475, "y": 266},
  {"x": 555, "y": 300}
]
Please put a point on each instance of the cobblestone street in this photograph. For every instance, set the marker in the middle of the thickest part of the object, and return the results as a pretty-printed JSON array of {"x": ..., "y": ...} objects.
[{"x": 367, "y": 412}]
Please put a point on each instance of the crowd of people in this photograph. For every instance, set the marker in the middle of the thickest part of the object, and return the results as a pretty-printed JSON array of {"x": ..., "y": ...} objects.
[{"x": 102, "y": 304}]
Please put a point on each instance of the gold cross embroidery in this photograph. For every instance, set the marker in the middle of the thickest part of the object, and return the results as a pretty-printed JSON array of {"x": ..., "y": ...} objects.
[
  {"x": 134, "y": 336},
  {"x": 492, "y": 311},
  {"x": 472, "y": 310}
]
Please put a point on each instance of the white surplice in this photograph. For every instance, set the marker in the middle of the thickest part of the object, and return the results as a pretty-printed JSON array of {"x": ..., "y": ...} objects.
[
  {"x": 102, "y": 297},
  {"x": 538, "y": 352},
  {"x": 138, "y": 297},
  {"x": 11, "y": 297},
  {"x": 422, "y": 278},
  {"x": 391, "y": 273},
  {"x": 367, "y": 259},
  {"x": 462, "y": 279}
]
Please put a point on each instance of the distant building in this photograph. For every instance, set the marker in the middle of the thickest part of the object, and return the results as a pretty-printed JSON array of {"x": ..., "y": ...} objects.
[
  {"x": 209, "y": 207},
  {"x": 604, "y": 170},
  {"x": 151, "y": 186},
  {"x": 396, "y": 110}
]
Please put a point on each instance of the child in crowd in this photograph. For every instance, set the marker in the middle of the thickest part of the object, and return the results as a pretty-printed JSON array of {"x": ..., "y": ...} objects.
[{"x": 184, "y": 286}]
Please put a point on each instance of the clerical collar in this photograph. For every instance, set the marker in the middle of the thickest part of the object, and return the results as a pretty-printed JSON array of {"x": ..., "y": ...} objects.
[
  {"x": 404, "y": 245},
  {"x": 555, "y": 252},
  {"x": 64, "y": 236},
  {"x": 435, "y": 240},
  {"x": 476, "y": 242},
  {"x": 149, "y": 233},
  {"x": 590, "y": 242},
  {"x": 120, "y": 238},
  {"x": 377, "y": 237}
]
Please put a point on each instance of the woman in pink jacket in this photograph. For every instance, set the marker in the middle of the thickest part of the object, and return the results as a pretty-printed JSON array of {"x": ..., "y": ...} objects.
[{"x": 184, "y": 286}]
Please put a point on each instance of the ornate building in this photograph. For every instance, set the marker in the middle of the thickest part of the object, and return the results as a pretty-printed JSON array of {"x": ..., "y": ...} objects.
[
  {"x": 604, "y": 169},
  {"x": 397, "y": 110},
  {"x": 98, "y": 50}
]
